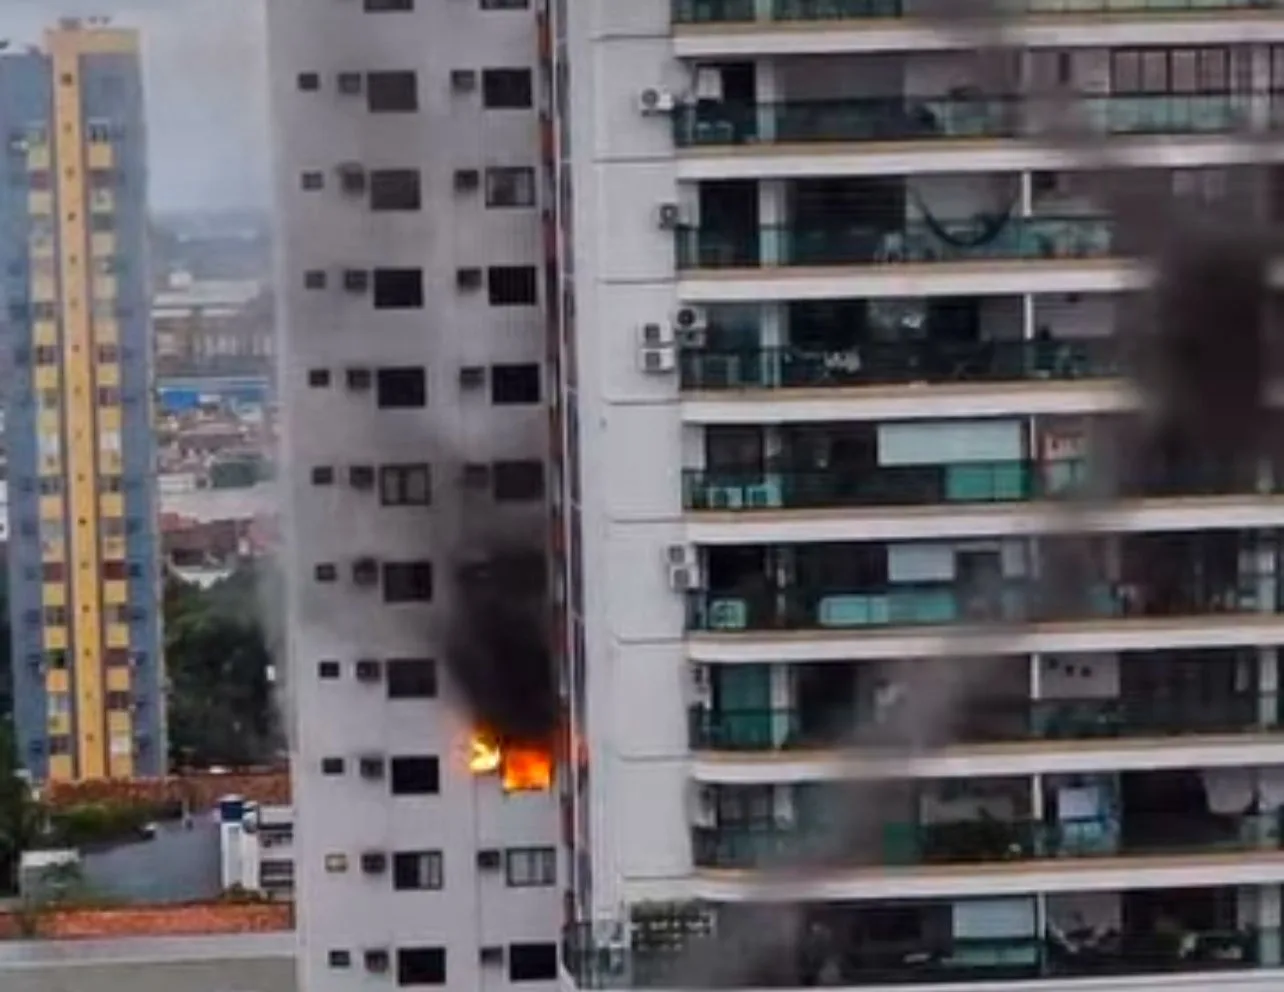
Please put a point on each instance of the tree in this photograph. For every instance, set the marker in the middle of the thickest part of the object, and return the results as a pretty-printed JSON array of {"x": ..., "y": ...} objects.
[
  {"x": 20, "y": 816},
  {"x": 218, "y": 656}
]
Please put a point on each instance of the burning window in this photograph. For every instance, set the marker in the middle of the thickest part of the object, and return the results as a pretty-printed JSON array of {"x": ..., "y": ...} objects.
[{"x": 527, "y": 769}]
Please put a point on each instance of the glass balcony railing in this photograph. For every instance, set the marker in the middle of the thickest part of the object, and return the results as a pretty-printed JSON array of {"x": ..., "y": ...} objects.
[
  {"x": 741, "y": 11},
  {"x": 944, "y": 603},
  {"x": 939, "y": 485},
  {"x": 877, "y": 364},
  {"x": 946, "y": 960},
  {"x": 929, "y": 118},
  {"x": 792, "y": 729},
  {"x": 975, "y": 239},
  {"x": 754, "y": 845}
]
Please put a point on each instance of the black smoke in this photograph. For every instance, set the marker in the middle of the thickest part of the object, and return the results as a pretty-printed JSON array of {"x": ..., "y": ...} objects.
[{"x": 498, "y": 640}]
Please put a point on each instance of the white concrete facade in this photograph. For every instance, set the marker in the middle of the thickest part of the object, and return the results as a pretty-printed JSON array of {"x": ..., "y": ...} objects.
[
  {"x": 639, "y": 662},
  {"x": 457, "y": 916}
]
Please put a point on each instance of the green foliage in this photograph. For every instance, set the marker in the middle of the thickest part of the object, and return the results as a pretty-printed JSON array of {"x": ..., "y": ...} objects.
[
  {"x": 21, "y": 821},
  {"x": 218, "y": 650},
  {"x": 97, "y": 824}
]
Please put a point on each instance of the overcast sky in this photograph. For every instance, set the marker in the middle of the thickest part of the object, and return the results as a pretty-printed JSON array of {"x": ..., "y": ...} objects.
[{"x": 206, "y": 91}]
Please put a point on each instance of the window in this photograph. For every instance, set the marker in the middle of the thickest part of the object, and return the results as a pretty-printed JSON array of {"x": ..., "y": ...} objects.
[
  {"x": 322, "y": 475},
  {"x": 416, "y": 870},
  {"x": 108, "y": 396},
  {"x": 505, "y": 4},
  {"x": 328, "y": 669},
  {"x": 339, "y": 959},
  {"x": 404, "y": 485},
  {"x": 510, "y": 187},
  {"x": 411, "y": 678},
  {"x": 407, "y": 581},
  {"x": 314, "y": 279},
  {"x": 392, "y": 92},
  {"x": 528, "y": 867},
  {"x": 114, "y": 570},
  {"x": 394, "y": 189},
  {"x": 387, "y": 6},
  {"x": 421, "y": 966},
  {"x": 398, "y": 289},
  {"x": 512, "y": 385},
  {"x": 400, "y": 388},
  {"x": 59, "y": 744},
  {"x": 52, "y": 571},
  {"x": 309, "y": 82},
  {"x": 517, "y": 482},
  {"x": 416, "y": 775},
  {"x": 312, "y": 181},
  {"x": 512, "y": 285},
  {"x": 318, "y": 378},
  {"x": 331, "y": 766},
  {"x": 532, "y": 962},
  {"x": 507, "y": 89},
  {"x": 118, "y": 701}
]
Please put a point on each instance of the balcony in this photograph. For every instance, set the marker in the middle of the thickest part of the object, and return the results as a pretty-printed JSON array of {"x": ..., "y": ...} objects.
[
  {"x": 926, "y": 119},
  {"x": 932, "y": 956},
  {"x": 798, "y": 729},
  {"x": 878, "y": 364},
  {"x": 920, "y": 242},
  {"x": 1019, "y": 481},
  {"x": 945, "y": 603},
  {"x": 694, "y": 12}
]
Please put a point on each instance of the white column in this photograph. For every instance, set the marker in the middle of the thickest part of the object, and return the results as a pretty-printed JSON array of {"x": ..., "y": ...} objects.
[
  {"x": 773, "y": 335},
  {"x": 767, "y": 94},
  {"x": 763, "y": 9},
  {"x": 1268, "y": 925},
  {"x": 1268, "y": 684},
  {"x": 782, "y": 703},
  {"x": 1036, "y": 814},
  {"x": 772, "y": 215}
]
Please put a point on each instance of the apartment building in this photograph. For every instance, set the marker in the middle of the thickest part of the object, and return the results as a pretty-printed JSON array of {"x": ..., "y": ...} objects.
[
  {"x": 83, "y": 581},
  {"x": 844, "y": 328},
  {"x": 411, "y": 260}
]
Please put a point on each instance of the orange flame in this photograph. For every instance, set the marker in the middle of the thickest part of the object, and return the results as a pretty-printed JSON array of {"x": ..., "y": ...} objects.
[
  {"x": 527, "y": 769},
  {"x": 484, "y": 754}
]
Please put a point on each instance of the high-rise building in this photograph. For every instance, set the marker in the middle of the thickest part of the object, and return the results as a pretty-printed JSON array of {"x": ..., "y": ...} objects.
[
  {"x": 412, "y": 252},
  {"x": 83, "y": 580},
  {"x": 844, "y": 331}
]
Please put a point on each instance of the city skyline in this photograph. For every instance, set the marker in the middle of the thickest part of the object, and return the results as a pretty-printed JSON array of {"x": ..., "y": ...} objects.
[{"x": 205, "y": 91}]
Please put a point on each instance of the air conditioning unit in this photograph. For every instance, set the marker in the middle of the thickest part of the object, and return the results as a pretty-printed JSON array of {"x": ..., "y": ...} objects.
[
  {"x": 365, "y": 572},
  {"x": 374, "y": 862},
  {"x": 371, "y": 766},
  {"x": 361, "y": 477},
  {"x": 369, "y": 670},
  {"x": 657, "y": 361},
  {"x": 491, "y": 954},
  {"x": 359, "y": 380},
  {"x": 352, "y": 178},
  {"x": 469, "y": 278},
  {"x": 489, "y": 859},
  {"x": 467, "y": 180},
  {"x": 463, "y": 80},
  {"x": 654, "y": 336},
  {"x": 653, "y": 101},
  {"x": 684, "y": 567},
  {"x": 704, "y": 806},
  {"x": 350, "y": 83},
  {"x": 356, "y": 280},
  {"x": 472, "y": 377},
  {"x": 668, "y": 216},
  {"x": 377, "y": 959},
  {"x": 691, "y": 319}
]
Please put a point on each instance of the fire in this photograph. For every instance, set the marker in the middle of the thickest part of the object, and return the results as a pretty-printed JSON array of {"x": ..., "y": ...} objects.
[
  {"x": 527, "y": 769},
  {"x": 484, "y": 754}
]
